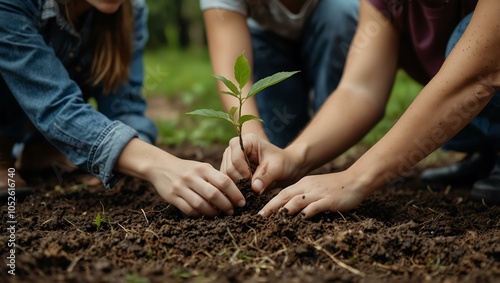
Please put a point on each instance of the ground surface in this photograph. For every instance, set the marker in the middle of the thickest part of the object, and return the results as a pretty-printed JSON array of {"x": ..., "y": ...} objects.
[{"x": 399, "y": 234}]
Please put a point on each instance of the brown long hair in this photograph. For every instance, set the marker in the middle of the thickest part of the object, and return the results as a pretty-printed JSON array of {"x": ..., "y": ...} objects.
[{"x": 112, "y": 44}]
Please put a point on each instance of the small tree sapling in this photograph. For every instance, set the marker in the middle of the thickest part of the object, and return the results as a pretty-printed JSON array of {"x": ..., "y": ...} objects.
[{"x": 234, "y": 115}]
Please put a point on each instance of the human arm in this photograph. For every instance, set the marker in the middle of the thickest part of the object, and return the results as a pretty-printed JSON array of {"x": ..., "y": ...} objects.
[
  {"x": 347, "y": 115},
  {"x": 54, "y": 103},
  {"x": 465, "y": 83},
  {"x": 228, "y": 37}
]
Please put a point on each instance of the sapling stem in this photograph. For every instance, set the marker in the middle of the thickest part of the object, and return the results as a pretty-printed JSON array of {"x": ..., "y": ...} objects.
[
  {"x": 242, "y": 76},
  {"x": 239, "y": 129}
]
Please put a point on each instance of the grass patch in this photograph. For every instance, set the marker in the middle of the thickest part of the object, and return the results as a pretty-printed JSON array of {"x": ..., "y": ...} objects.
[{"x": 185, "y": 75}]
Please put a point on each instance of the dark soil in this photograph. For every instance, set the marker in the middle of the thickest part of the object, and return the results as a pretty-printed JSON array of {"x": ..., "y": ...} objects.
[{"x": 399, "y": 234}]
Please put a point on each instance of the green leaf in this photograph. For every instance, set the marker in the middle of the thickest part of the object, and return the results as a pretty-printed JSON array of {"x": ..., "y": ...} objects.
[
  {"x": 246, "y": 118},
  {"x": 97, "y": 221},
  {"x": 232, "y": 111},
  {"x": 210, "y": 113},
  {"x": 228, "y": 83},
  {"x": 230, "y": 93},
  {"x": 241, "y": 70},
  {"x": 269, "y": 81}
]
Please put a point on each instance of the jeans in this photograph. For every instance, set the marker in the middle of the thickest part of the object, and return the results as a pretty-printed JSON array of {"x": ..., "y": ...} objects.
[
  {"x": 483, "y": 132},
  {"x": 319, "y": 54}
]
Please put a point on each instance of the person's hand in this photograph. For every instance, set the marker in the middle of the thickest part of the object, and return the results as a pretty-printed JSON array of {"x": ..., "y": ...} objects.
[
  {"x": 273, "y": 166},
  {"x": 318, "y": 193},
  {"x": 193, "y": 187},
  {"x": 197, "y": 188}
]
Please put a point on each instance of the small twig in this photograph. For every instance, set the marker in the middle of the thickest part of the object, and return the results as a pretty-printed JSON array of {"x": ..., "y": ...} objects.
[
  {"x": 332, "y": 257},
  {"x": 147, "y": 221},
  {"x": 234, "y": 256},
  {"x": 73, "y": 263},
  {"x": 285, "y": 249},
  {"x": 152, "y": 232},
  {"x": 388, "y": 267},
  {"x": 484, "y": 203},
  {"x": 341, "y": 215},
  {"x": 46, "y": 221},
  {"x": 255, "y": 240},
  {"x": 124, "y": 229},
  {"x": 232, "y": 237},
  {"x": 356, "y": 216},
  {"x": 74, "y": 225}
]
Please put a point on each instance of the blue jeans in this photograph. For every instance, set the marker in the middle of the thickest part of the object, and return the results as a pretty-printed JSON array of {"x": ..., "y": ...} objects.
[
  {"x": 319, "y": 53},
  {"x": 483, "y": 132}
]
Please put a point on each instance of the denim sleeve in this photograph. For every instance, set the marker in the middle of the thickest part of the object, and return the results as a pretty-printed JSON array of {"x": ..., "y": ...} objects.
[
  {"x": 238, "y": 6},
  {"x": 51, "y": 100}
]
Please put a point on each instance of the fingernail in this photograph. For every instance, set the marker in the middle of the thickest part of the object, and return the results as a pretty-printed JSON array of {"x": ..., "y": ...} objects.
[
  {"x": 242, "y": 203},
  {"x": 230, "y": 212},
  {"x": 261, "y": 213},
  {"x": 258, "y": 185}
]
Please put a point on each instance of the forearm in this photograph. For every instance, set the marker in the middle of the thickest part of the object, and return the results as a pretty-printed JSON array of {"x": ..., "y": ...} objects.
[
  {"x": 464, "y": 85},
  {"x": 344, "y": 119},
  {"x": 418, "y": 133},
  {"x": 359, "y": 101},
  {"x": 228, "y": 37},
  {"x": 142, "y": 160}
]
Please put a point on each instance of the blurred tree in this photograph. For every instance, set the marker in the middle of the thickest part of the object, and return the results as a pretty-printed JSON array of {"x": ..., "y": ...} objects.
[{"x": 174, "y": 23}]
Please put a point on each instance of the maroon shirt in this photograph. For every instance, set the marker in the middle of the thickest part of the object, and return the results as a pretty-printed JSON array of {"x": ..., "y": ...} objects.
[{"x": 424, "y": 32}]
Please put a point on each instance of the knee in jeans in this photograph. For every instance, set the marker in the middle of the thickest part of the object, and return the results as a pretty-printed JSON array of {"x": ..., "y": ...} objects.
[{"x": 336, "y": 15}]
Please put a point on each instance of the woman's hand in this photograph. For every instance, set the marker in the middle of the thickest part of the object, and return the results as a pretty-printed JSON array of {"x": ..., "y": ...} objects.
[
  {"x": 273, "y": 166},
  {"x": 314, "y": 194},
  {"x": 195, "y": 188}
]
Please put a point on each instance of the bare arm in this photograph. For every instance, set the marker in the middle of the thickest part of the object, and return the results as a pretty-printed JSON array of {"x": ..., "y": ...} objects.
[
  {"x": 350, "y": 112},
  {"x": 359, "y": 101},
  {"x": 463, "y": 86},
  {"x": 228, "y": 37}
]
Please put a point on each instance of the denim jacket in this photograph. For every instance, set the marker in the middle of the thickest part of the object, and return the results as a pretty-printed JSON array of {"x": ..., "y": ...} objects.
[{"x": 44, "y": 66}]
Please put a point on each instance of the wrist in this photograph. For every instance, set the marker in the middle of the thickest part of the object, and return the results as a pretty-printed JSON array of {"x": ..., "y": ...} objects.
[
  {"x": 368, "y": 178},
  {"x": 298, "y": 153},
  {"x": 141, "y": 160}
]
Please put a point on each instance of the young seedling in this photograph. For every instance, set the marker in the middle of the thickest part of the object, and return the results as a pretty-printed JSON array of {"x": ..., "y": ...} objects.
[
  {"x": 234, "y": 115},
  {"x": 98, "y": 218}
]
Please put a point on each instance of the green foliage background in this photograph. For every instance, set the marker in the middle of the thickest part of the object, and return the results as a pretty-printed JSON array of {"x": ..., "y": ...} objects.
[{"x": 178, "y": 68}]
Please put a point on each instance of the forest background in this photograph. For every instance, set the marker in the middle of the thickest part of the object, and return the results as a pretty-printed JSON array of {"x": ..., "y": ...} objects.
[{"x": 179, "y": 79}]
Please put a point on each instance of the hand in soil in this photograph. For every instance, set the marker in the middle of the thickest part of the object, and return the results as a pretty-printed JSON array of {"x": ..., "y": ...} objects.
[
  {"x": 198, "y": 189},
  {"x": 314, "y": 194},
  {"x": 273, "y": 166}
]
